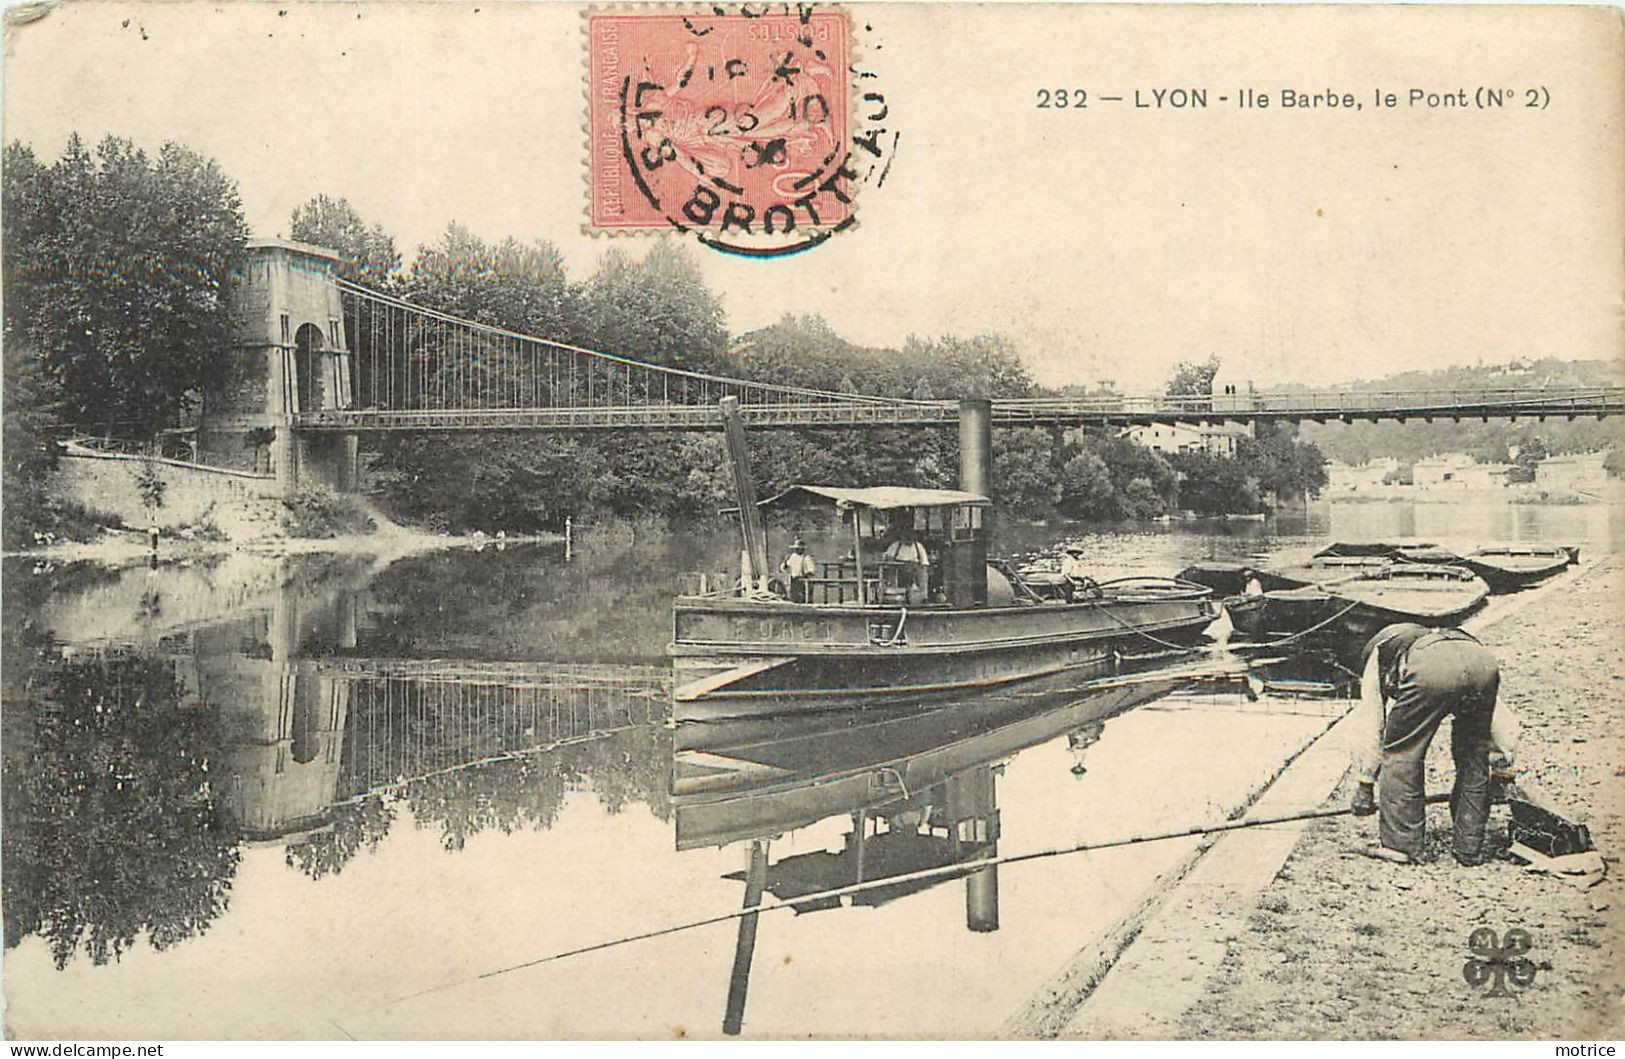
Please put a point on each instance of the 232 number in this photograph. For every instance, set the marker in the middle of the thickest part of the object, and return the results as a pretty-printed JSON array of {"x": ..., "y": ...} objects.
[{"x": 1062, "y": 99}]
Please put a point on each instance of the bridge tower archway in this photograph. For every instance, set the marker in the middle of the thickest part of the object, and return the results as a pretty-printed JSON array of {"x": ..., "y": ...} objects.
[
  {"x": 290, "y": 361},
  {"x": 308, "y": 365}
]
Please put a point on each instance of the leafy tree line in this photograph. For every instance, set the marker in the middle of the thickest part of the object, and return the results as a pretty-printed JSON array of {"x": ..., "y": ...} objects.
[{"x": 115, "y": 265}]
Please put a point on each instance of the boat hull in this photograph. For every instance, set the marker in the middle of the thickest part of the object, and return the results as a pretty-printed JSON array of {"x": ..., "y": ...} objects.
[
  {"x": 1344, "y": 622},
  {"x": 1509, "y": 573},
  {"x": 743, "y": 658}
]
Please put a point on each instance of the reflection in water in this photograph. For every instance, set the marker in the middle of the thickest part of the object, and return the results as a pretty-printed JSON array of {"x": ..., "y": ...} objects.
[
  {"x": 919, "y": 788},
  {"x": 159, "y": 718},
  {"x": 113, "y": 822}
]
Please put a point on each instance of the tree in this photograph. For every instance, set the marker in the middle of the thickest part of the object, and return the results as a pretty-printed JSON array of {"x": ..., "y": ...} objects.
[
  {"x": 518, "y": 286},
  {"x": 30, "y": 446},
  {"x": 1194, "y": 378},
  {"x": 1530, "y": 454},
  {"x": 1024, "y": 480},
  {"x": 371, "y": 259},
  {"x": 1282, "y": 466},
  {"x": 1086, "y": 487},
  {"x": 116, "y": 270},
  {"x": 1215, "y": 485},
  {"x": 1142, "y": 499},
  {"x": 658, "y": 309},
  {"x": 111, "y": 827},
  {"x": 984, "y": 365},
  {"x": 485, "y": 482}
]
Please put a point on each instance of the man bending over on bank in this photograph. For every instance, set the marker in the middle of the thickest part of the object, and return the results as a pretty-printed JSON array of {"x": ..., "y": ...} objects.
[{"x": 1412, "y": 678}]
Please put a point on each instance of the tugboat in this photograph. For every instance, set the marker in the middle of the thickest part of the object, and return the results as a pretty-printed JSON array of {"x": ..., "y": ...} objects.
[{"x": 914, "y": 611}]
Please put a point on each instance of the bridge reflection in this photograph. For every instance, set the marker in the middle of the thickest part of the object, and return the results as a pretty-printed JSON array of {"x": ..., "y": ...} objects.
[{"x": 286, "y": 646}]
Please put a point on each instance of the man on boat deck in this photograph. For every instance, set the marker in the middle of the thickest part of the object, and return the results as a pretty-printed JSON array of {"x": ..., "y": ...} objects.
[
  {"x": 915, "y": 563},
  {"x": 1073, "y": 567},
  {"x": 1413, "y": 678},
  {"x": 797, "y": 567}
]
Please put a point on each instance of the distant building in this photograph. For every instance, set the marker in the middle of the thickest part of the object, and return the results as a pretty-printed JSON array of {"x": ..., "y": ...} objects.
[
  {"x": 1351, "y": 478},
  {"x": 1174, "y": 437},
  {"x": 1581, "y": 471},
  {"x": 1457, "y": 470}
]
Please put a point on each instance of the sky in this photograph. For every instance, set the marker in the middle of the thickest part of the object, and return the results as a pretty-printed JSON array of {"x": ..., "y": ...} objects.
[{"x": 1301, "y": 246}]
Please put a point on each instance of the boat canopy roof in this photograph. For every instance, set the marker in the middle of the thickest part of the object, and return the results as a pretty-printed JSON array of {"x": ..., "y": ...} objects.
[{"x": 878, "y": 497}]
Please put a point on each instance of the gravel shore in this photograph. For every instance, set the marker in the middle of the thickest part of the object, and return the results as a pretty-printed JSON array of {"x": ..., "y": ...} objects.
[{"x": 1343, "y": 946}]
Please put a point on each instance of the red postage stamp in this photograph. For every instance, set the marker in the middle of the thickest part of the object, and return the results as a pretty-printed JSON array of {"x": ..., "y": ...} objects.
[{"x": 733, "y": 125}]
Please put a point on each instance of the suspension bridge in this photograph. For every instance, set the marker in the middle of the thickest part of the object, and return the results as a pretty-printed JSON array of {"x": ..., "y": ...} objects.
[
  {"x": 417, "y": 369},
  {"x": 322, "y": 361}
]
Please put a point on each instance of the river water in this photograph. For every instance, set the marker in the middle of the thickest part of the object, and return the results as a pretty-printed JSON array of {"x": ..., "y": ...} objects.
[{"x": 317, "y": 796}]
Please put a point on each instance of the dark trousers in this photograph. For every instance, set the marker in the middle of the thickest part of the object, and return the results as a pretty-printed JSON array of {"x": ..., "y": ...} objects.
[{"x": 1444, "y": 678}]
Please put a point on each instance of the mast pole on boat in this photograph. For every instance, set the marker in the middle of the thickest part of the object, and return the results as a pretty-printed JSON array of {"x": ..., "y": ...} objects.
[
  {"x": 750, "y": 516},
  {"x": 857, "y": 554}
]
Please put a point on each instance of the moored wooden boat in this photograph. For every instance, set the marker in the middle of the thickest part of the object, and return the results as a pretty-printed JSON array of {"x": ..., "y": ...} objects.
[
  {"x": 1350, "y": 612},
  {"x": 1509, "y": 567},
  {"x": 1223, "y": 578},
  {"x": 1400, "y": 551},
  {"x": 1322, "y": 570},
  {"x": 1230, "y": 578}
]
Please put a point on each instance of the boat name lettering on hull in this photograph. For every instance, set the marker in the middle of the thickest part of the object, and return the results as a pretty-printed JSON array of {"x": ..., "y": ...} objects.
[{"x": 780, "y": 629}]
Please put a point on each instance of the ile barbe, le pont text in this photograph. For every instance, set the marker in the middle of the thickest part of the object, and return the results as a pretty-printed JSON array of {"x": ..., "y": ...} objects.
[{"x": 1481, "y": 97}]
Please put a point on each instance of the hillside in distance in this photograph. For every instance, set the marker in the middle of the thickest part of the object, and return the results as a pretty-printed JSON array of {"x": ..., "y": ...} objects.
[{"x": 1489, "y": 442}]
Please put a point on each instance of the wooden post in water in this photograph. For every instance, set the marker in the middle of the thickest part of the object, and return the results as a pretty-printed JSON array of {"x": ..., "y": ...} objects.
[
  {"x": 750, "y": 516},
  {"x": 733, "y": 1020}
]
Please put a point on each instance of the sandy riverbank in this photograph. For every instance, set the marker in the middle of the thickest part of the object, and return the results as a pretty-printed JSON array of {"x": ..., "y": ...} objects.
[{"x": 1341, "y": 946}]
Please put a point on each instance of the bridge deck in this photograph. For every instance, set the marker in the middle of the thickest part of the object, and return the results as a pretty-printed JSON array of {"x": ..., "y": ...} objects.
[{"x": 1315, "y": 406}]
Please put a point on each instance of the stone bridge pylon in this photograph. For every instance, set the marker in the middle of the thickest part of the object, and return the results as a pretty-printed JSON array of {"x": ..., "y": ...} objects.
[{"x": 291, "y": 357}]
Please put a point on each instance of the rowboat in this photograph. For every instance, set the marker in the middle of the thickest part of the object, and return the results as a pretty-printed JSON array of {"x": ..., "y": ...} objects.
[
  {"x": 1352, "y": 611},
  {"x": 1509, "y": 567},
  {"x": 1323, "y": 570},
  {"x": 872, "y": 630},
  {"x": 1231, "y": 578},
  {"x": 1504, "y": 567},
  {"x": 1402, "y": 551}
]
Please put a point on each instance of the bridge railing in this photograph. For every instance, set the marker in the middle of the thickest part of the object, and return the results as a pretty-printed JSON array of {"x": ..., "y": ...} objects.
[{"x": 1308, "y": 403}]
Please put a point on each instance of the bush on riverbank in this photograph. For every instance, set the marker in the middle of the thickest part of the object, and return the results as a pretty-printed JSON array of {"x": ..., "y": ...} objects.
[{"x": 318, "y": 513}]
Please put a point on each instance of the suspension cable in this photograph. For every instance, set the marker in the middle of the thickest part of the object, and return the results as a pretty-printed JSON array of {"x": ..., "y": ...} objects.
[{"x": 614, "y": 358}]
